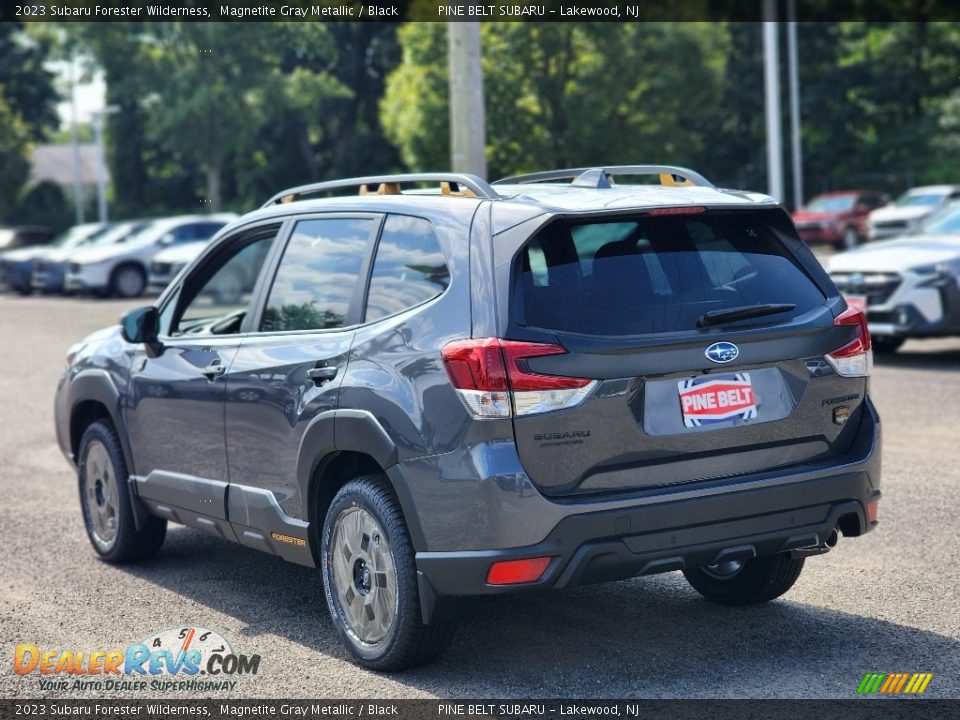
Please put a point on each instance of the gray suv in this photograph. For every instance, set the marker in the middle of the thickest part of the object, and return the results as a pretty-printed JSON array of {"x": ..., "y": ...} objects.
[{"x": 460, "y": 390}]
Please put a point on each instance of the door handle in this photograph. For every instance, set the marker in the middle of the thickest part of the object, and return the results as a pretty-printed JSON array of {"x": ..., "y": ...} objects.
[
  {"x": 212, "y": 372},
  {"x": 321, "y": 374}
]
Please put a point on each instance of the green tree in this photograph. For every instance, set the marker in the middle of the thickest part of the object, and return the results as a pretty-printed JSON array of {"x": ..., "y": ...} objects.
[
  {"x": 14, "y": 162},
  {"x": 27, "y": 85},
  {"x": 562, "y": 94}
]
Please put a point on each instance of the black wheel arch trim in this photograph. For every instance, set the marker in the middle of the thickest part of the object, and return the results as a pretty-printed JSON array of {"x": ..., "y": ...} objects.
[
  {"x": 358, "y": 431},
  {"x": 97, "y": 386}
]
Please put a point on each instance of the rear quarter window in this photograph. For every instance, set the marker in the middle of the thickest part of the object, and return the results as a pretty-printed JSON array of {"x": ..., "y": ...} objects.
[
  {"x": 409, "y": 268},
  {"x": 651, "y": 275}
]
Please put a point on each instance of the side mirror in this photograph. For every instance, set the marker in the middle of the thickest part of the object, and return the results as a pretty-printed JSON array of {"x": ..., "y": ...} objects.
[{"x": 141, "y": 325}]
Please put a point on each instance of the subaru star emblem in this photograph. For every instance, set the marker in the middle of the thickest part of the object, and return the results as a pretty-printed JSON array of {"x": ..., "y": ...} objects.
[{"x": 722, "y": 352}]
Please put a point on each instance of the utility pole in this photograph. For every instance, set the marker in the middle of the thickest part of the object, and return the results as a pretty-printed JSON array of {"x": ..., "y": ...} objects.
[
  {"x": 771, "y": 67},
  {"x": 468, "y": 138},
  {"x": 796, "y": 152}
]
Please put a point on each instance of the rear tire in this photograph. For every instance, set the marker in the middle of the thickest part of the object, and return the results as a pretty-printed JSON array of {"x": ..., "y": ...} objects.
[
  {"x": 886, "y": 344},
  {"x": 753, "y": 581},
  {"x": 106, "y": 503},
  {"x": 370, "y": 580}
]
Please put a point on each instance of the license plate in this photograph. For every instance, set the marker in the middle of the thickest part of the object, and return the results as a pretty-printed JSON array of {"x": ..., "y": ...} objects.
[
  {"x": 712, "y": 399},
  {"x": 857, "y": 302}
]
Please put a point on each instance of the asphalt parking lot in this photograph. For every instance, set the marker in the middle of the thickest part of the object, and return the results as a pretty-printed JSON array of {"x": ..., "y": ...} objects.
[{"x": 888, "y": 602}]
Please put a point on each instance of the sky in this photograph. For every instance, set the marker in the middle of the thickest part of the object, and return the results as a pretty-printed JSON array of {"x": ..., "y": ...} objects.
[{"x": 90, "y": 94}]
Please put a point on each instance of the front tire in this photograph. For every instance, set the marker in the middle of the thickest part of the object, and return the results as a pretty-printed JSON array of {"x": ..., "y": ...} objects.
[
  {"x": 850, "y": 238},
  {"x": 746, "y": 582},
  {"x": 128, "y": 281},
  {"x": 370, "y": 580},
  {"x": 106, "y": 503}
]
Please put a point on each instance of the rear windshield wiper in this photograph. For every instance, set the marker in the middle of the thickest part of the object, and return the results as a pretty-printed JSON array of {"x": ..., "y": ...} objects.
[{"x": 743, "y": 312}]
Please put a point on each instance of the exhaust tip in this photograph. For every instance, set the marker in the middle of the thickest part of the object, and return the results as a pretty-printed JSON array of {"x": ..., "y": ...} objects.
[{"x": 832, "y": 540}]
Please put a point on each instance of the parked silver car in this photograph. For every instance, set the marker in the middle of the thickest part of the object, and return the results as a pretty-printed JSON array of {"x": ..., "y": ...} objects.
[
  {"x": 909, "y": 210},
  {"x": 121, "y": 269}
]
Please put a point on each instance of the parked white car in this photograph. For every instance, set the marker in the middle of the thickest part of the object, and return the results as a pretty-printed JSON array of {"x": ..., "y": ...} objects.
[
  {"x": 121, "y": 269},
  {"x": 908, "y": 211},
  {"x": 910, "y": 286},
  {"x": 167, "y": 263}
]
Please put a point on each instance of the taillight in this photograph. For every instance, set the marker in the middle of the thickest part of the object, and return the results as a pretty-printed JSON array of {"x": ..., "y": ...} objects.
[
  {"x": 493, "y": 378},
  {"x": 855, "y": 358}
]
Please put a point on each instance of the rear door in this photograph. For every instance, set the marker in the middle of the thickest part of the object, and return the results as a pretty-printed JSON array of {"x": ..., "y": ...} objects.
[
  {"x": 679, "y": 396},
  {"x": 288, "y": 371}
]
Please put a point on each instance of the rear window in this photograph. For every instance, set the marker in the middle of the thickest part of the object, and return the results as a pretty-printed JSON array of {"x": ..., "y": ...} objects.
[{"x": 656, "y": 274}]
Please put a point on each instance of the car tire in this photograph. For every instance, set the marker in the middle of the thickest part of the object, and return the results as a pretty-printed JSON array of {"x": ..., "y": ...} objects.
[
  {"x": 128, "y": 281},
  {"x": 747, "y": 582},
  {"x": 370, "y": 580},
  {"x": 850, "y": 238},
  {"x": 886, "y": 344},
  {"x": 106, "y": 503}
]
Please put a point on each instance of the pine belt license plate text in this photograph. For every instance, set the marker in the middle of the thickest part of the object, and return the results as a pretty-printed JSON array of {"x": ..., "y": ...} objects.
[{"x": 714, "y": 399}]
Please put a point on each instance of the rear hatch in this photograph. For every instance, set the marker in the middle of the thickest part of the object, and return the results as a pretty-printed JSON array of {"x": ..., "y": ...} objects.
[{"x": 706, "y": 338}]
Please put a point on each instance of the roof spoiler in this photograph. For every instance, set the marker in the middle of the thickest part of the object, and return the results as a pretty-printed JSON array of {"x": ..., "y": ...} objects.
[{"x": 602, "y": 177}]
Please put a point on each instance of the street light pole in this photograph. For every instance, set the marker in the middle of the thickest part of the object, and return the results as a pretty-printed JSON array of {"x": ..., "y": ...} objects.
[
  {"x": 796, "y": 151},
  {"x": 771, "y": 53},
  {"x": 75, "y": 142},
  {"x": 101, "y": 163},
  {"x": 467, "y": 122},
  {"x": 98, "y": 117}
]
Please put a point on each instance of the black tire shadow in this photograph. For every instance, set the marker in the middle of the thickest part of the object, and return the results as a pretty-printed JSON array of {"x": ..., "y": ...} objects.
[{"x": 646, "y": 637}]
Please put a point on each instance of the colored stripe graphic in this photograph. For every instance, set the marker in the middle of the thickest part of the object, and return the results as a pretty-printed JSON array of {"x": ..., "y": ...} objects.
[{"x": 894, "y": 683}]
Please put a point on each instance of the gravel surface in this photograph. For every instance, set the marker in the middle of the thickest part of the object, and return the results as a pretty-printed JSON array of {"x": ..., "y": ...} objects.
[{"x": 888, "y": 602}]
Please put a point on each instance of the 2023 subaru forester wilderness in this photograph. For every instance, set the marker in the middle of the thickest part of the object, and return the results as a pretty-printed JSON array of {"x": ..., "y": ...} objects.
[{"x": 432, "y": 394}]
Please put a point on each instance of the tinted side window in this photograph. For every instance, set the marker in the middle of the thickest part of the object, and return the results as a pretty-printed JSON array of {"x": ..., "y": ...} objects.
[
  {"x": 217, "y": 294},
  {"x": 318, "y": 274},
  {"x": 409, "y": 268}
]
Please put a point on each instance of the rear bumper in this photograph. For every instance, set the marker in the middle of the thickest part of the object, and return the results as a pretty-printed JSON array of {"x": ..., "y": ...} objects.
[{"x": 735, "y": 519}]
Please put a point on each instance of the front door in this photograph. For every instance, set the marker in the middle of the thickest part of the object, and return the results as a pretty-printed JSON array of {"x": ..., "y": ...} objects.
[{"x": 175, "y": 402}]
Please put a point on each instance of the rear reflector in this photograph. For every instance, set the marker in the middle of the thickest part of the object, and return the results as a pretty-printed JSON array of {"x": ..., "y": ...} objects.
[
  {"x": 872, "y": 509},
  {"x": 855, "y": 359},
  {"x": 512, "y": 572},
  {"x": 493, "y": 378}
]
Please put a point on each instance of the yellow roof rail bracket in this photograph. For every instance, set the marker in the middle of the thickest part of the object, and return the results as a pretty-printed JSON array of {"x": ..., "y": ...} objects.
[
  {"x": 455, "y": 190},
  {"x": 674, "y": 180},
  {"x": 382, "y": 189}
]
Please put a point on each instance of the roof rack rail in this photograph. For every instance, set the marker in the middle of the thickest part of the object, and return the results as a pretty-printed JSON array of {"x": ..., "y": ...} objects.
[
  {"x": 456, "y": 184},
  {"x": 600, "y": 177}
]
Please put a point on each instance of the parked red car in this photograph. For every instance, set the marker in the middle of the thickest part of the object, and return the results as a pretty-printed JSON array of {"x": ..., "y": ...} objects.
[{"x": 838, "y": 218}]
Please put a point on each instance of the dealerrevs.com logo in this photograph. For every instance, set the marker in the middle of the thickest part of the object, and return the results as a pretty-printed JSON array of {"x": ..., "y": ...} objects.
[{"x": 187, "y": 658}]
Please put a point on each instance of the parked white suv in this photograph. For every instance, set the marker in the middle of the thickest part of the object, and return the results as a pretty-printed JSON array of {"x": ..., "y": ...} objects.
[
  {"x": 906, "y": 213},
  {"x": 121, "y": 269},
  {"x": 910, "y": 286}
]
